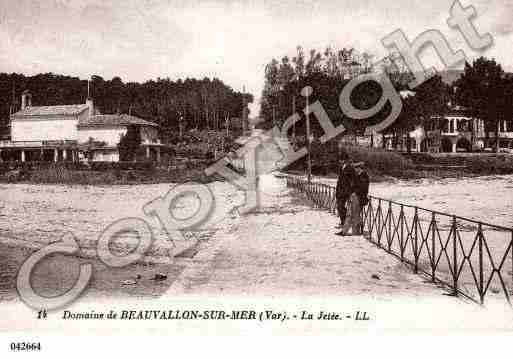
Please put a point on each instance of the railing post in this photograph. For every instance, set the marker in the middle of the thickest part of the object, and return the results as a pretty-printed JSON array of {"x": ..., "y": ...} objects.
[
  {"x": 415, "y": 242},
  {"x": 389, "y": 239},
  {"x": 481, "y": 269},
  {"x": 379, "y": 229},
  {"x": 455, "y": 255},
  {"x": 401, "y": 219},
  {"x": 332, "y": 207},
  {"x": 328, "y": 198},
  {"x": 433, "y": 251},
  {"x": 370, "y": 217}
]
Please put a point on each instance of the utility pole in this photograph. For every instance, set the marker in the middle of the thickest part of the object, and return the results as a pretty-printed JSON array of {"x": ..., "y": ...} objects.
[
  {"x": 180, "y": 124},
  {"x": 307, "y": 92},
  {"x": 293, "y": 112},
  {"x": 244, "y": 119},
  {"x": 12, "y": 109},
  {"x": 274, "y": 116},
  {"x": 227, "y": 124}
]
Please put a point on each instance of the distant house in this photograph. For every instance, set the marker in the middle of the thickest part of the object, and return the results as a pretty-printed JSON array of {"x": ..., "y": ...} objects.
[
  {"x": 106, "y": 131},
  {"x": 72, "y": 133},
  {"x": 454, "y": 131},
  {"x": 5, "y": 131},
  {"x": 459, "y": 131}
]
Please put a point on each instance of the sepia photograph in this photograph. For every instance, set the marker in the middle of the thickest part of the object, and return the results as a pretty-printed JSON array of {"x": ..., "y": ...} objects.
[{"x": 232, "y": 167}]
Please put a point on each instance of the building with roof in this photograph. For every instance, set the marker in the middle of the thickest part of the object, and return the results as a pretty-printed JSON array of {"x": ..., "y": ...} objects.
[
  {"x": 454, "y": 131},
  {"x": 73, "y": 133},
  {"x": 459, "y": 131}
]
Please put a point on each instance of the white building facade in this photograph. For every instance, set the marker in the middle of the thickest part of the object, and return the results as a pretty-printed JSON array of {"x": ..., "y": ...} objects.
[
  {"x": 455, "y": 131},
  {"x": 73, "y": 133}
]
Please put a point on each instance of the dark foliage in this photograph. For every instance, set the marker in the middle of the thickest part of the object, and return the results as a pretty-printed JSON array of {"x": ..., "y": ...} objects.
[
  {"x": 486, "y": 89},
  {"x": 129, "y": 143},
  {"x": 175, "y": 105}
]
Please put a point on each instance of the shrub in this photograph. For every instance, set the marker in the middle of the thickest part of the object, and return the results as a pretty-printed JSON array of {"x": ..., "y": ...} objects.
[
  {"x": 130, "y": 143},
  {"x": 62, "y": 175},
  {"x": 487, "y": 165},
  {"x": 378, "y": 161}
]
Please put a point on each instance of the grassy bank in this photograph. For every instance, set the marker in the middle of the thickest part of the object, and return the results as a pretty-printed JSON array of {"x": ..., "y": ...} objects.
[
  {"x": 379, "y": 163},
  {"x": 383, "y": 164},
  {"x": 64, "y": 174}
]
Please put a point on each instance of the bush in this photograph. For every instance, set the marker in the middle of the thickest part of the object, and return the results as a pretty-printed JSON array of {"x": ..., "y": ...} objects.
[
  {"x": 487, "y": 165},
  {"x": 203, "y": 144},
  {"x": 106, "y": 173},
  {"x": 62, "y": 175},
  {"x": 378, "y": 161}
]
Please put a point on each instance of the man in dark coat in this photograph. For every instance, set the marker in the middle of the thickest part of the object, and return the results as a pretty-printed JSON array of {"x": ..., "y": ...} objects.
[
  {"x": 357, "y": 201},
  {"x": 345, "y": 186},
  {"x": 362, "y": 187}
]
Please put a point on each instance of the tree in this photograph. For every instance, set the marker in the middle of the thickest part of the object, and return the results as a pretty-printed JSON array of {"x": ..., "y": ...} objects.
[
  {"x": 327, "y": 71},
  {"x": 504, "y": 103},
  {"x": 201, "y": 102},
  {"x": 481, "y": 88},
  {"x": 129, "y": 144}
]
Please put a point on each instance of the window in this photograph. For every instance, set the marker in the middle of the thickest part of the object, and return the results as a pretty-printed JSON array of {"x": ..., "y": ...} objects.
[{"x": 445, "y": 125}]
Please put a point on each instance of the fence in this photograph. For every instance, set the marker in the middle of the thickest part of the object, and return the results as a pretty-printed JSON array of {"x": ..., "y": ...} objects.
[{"x": 473, "y": 258}]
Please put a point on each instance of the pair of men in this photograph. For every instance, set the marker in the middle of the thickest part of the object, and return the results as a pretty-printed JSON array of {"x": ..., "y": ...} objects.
[{"x": 352, "y": 187}]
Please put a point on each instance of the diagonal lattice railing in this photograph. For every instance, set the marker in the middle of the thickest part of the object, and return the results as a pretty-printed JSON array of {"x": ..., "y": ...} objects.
[{"x": 473, "y": 258}]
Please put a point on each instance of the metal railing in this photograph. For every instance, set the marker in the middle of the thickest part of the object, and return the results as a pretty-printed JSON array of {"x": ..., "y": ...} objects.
[{"x": 473, "y": 258}]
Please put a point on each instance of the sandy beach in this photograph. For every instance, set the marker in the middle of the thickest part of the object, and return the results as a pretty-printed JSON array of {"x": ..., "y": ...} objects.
[
  {"x": 34, "y": 215},
  {"x": 284, "y": 251}
]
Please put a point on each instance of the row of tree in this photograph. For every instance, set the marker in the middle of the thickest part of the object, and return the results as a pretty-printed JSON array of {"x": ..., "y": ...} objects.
[
  {"x": 487, "y": 90},
  {"x": 175, "y": 105},
  {"x": 483, "y": 87},
  {"x": 325, "y": 71}
]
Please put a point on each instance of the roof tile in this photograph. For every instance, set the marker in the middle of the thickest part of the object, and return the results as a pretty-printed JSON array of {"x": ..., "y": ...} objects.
[
  {"x": 61, "y": 110},
  {"x": 114, "y": 120}
]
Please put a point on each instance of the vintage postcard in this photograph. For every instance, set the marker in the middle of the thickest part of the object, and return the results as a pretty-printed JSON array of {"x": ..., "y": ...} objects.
[{"x": 226, "y": 167}]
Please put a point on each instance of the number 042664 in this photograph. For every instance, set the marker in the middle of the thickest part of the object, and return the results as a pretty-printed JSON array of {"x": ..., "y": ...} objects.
[{"x": 25, "y": 347}]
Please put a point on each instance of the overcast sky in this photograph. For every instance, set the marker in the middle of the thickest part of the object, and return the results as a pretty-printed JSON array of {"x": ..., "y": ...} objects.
[{"x": 233, "y": 40}]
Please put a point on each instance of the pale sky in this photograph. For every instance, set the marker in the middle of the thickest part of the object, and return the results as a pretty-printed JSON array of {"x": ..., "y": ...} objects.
[{"x": 140, "y": 40}]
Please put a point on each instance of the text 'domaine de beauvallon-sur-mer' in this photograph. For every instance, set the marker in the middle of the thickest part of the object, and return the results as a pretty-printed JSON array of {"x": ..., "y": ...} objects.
[{"x": 264, "y": 315}]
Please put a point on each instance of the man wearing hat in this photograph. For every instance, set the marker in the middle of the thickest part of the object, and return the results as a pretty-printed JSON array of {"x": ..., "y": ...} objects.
[
  {"x": 345, "y": 187},
  {"x": 357, "y": 200}
]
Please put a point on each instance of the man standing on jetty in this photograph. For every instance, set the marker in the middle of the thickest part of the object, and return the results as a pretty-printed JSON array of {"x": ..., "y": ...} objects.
[
  {"x": 357, "y": 200},
  {"x": 345, "y": 186}
]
